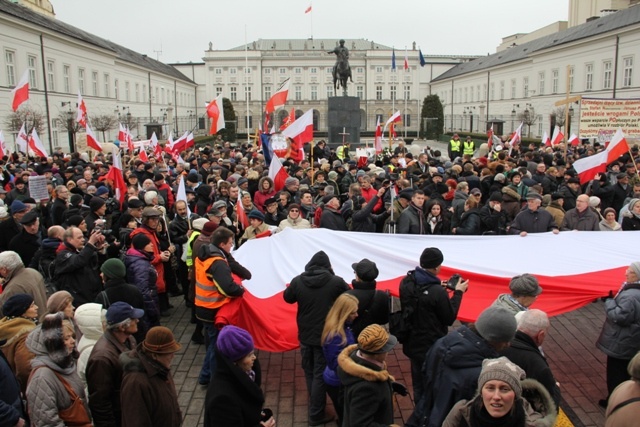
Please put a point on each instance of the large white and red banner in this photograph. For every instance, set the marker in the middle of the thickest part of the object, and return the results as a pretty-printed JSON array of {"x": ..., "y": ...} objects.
[
  {"x": 574, "y": 268},
  {"x": 604, "y": 116}
]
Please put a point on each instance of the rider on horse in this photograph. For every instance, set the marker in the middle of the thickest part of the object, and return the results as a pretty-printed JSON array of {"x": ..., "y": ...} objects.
[{"x": 341, "y": 67}]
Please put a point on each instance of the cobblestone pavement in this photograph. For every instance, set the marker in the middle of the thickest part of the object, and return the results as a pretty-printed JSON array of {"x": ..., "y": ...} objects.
[{"x": 570, "y": 348}]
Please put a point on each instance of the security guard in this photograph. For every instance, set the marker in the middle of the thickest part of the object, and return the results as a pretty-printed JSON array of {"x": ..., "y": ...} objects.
[
  {"x": 468, "y": 147},
  {"x": 455, "y": 147}
]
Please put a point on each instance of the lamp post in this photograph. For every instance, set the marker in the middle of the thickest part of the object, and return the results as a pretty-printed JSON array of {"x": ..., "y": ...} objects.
[
  {"x": 70, "y": 127},
  {"x": 513, "y": 116},
  {"x": 571, "y": 113},
  {"x": 469, "y": 110}
]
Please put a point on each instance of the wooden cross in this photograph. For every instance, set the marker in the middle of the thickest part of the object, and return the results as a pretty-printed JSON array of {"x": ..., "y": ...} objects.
[
  {"x": 567, "y": 103},
  {"x": 344, "y": 134}
]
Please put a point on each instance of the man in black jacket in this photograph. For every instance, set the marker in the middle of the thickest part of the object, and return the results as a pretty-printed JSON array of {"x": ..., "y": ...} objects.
[
  {"x": 525, "y": 350},
  {"x": 430, "y": 310},
  {"x": 373, "y": 305},
  {"x": 315, "y": 290}
]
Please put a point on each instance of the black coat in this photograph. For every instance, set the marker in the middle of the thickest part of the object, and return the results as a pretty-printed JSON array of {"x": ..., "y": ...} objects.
[
  {"x": 315, "y": 290},
  {"x": 492, "y": 220},
  {"x": 77, "y": 273},
  {"x": 470, "y": 224},
  {"x": 233, "y": 399},
  {"x": 630, "y": 223},
  {"x": 26, "y": 245},
  {"x": 373, "y": 306},
  {"x": 332, "y": 220},
  {"x": 9, "y": 228},
  {"x": 58, "y": 208}
]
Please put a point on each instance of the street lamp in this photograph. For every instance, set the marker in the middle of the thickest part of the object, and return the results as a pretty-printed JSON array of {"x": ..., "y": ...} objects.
[
  {"x": 70, "y": 127},
  {"x": 513, "y": 116},
  {"x": 469, "y": 110},
  {"x": 571, "y": 112}
]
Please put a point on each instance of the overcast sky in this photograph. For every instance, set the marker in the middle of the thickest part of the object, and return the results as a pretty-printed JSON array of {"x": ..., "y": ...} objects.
[{"x": 182, "y": 29}]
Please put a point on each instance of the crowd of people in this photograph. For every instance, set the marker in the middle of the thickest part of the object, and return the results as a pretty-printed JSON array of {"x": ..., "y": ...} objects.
[{"x": 87, "y": 275}]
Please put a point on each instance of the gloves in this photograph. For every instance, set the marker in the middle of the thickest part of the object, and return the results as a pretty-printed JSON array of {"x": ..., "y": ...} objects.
[{"x": 399, "y": 388}]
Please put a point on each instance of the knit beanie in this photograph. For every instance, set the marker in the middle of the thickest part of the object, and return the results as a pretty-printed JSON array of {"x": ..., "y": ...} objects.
[
  {"x": 113, "y": 268},
  {"x": 496, "y": 324},
  {"x": 140, "y": 241},
  {"x": 75, "y": 220},
  {"x": 58, "y": 301},
  {"x": 431, "y": 258},
  {"x": 635, "y": 266},
  {"x": 53, "y": 339},
  {"x": 234, "y": 342},
  {"x": 502, "y": 369},
  {"x": 16, "y": 305},
  {"x": 208, "y": 228},
  {"x": 96, "y": 203}
]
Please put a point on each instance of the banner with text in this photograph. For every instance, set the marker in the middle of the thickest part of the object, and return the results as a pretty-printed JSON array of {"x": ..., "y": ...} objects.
[{"x": 602, "y": 117}]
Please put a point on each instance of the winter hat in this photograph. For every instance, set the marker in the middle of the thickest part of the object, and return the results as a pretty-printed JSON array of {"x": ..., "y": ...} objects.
[
  {"x": 502, "y": 369},
  {"x": 139, "y": 241},
  {"x": 632, "y": 204},
  {"x": 606, "y": 211},
  {"x": 193, "y": 177},
  {"x": 17, "y": 206},
  {"x": 120, "y": 311},
  {"x": 256, "y": 214},
  {"x": 290, "y": 181},
  {"x": 160, "y": 340},
  {"x": 208, "y": 228},
  {"x": 499, "y": 177},
  {"x": 102, "y": 190},
  {"x": 53, "y": 339},
  {"x": 496, "y": 196},
  {"x": 219, "y": 204},
  {"x": 496, "y": 324},
  {"x": 635, "y": 266},
  {"x": 333, "y": 175},
  {"x": 96, "y": 203},
  {"x": 366, "y": 270},
  {"x": 16, "y": 305},
  {"x": 374, "y": 339},
  {"x": 234, "y": 342},
  {"x": 75, "y": 200},
  {"x": 3, "y": 212},
  {"x": 594, "y": 201},
  {"x": 113, "y": 268},
  {"x": 525, "y": 285},
  {"x": 406, "y": 194},
  {"x": 197, "y": 224},
  {"x": 58, "y": 301},
  {"x": 431, "y": 258},
  {"x": 75, "y": 220}
]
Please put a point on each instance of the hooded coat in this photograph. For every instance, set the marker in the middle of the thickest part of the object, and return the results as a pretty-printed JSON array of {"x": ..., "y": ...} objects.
[
  {"x": 15, "y": 331},
  {"x": 315, "y": 291},
  {"x": 88, "y": 317}
]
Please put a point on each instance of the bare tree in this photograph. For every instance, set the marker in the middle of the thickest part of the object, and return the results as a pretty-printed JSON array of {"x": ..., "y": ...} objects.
[
  {"x": 103, "y": 123},
  {"x": 67, "y": 122},
  {"x": 31, "y": 118},
  {"x": 558, "y": 115},
  {"x": 529, "y": 118}
]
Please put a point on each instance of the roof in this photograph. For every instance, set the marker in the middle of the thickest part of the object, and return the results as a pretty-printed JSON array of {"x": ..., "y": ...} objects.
[
  {"x": 310, "y": 44},
  {"x": 22, "y": 13},
  {"x": 606, "y": 24}
]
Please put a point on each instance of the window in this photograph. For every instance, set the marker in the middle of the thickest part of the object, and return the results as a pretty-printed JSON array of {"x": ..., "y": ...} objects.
[
  {"x": 297, "y": 90},
  {"x": 329, "y": 91},
  {"x": 247, "y": 93},
  {"x": 606, "y": 75},
  {"x": 66, "y": 72},
  {"x": 217, "y": 70},
  {"x": 249, "y": 121},
  {"x": 477, "y": 93},
  {"x": 31, "y": 65},
  {"x": 501, "y": 90},
  {"x": 267, "y": 70},
  {"x": 234, "y": 93},
  {"x": 81, "y": 81},
  {"x": 282, "y": 71},
  {"x": 455, "y": 96},
  {"x": 329, "y": 70},
  {"x": 314, "y": 93},
  {"x": 466, "y": 94},
  {"x": 378, "y": 69},
  {"x": 267, "y": 92},
  {"x": 137, "y": 92},
  {"x": 156, "y": 99},
  {"x": 571, "y": 79},
  {"x": 378, "y": 93},
  {"x": 392, "y": 91},
  {"x": 218, "y": 90},
  {"x": 627, "y": 72},
  {"x": 126, "y": 92},
  {"x": 297, "y": 70},
  {"x": 484, "y": 92},
  {"x": 94, "y": 84},
  {"x": 9, "y": 59},
  {"x": 107, "y": 89},
  {"x": 541, "y": 77},
  {"x": 406, "y": 120},
  {"x": 492, "y": 91},
  {"x": 162, "y": 95},
  {"x": 233, "y": 70},
  {"x": 525, "y": 87},
  {"x": 247, "y": 70},
  {"x": 513, "y": 88},
  {"x": 313, "y": 70},
  {"x": 51, "y": 76},
  {"x": 407, "y": 93},
  {"x": 588, "y": 78},
  {"x": 554, "y": 81},
  {"x": 144, "y": 93}
]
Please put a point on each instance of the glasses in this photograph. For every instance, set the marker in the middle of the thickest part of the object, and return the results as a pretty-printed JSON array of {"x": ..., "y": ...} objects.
[{"x": 294, "y": 210}]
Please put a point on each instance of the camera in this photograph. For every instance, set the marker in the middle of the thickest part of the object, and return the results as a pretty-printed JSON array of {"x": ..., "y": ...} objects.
[
  {"x": 394, "y": 176},
  {"x": 99, "y": 228},
  {"x": 453, "y": 281}
]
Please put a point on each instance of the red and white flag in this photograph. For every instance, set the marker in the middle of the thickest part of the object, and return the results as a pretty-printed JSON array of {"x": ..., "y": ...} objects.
[
  {"x": 92, "y": 141},
  {"x": 181, "y": 194},
  {"x": 308, "y": 9},
  {"x": 546, "y": 141},
  {"x": 290, "y": 119},
  {"x": 21, "y": 91},
  {"x": 301, "y": 132},
  {"x": 130, "y": 146},
  {"x": 81, "y": 115},
  {"x": 216, "y": 113},
  {"x": 190, "y": 142},
  {"x": 557, "y": 136},
  {"x": 406, "y": 60},
  {"x": 490, "y": 137},
  {"x": 4, "y": 151},
  {"x": 35, "y": 145},
  {"x": 122, "y": 134},
  {"x": 21, "y": 140},
  {"x": 574, "y": 140},
  {"x": 241, "y": 214},
  {"x": 157, "y": 150},
  {"x": 180, "y": 144},
  {"x": 277, "y": 173},
  {"x": 115, "y": 175},
  {"x": 278, "y": 99},
  {"x": 395, "y": 118},
  {"x": 588, "y": 167},
  {"x": 515, "y": 138},
  {"x": 168, "y": 146},
  {"x": 378, "y": 139},
  {"x": 143, "y": 154}
]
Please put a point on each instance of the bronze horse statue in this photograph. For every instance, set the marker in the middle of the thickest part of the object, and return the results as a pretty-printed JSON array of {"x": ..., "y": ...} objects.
[{"x": 341, "y": 74}]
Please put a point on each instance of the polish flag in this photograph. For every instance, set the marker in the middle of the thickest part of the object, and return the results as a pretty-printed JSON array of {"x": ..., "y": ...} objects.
[
  {"x": 406, "y": 60},
  {"x": 515, "y": 138},
  {"x": 378, "y": 140},
  {"x": 21, "y": 140},
  {"x": 21, "y": 91},
  {"x": 181, "y": 194},
  {"x": 241, "y": 214},
  {"x": 588, "y": 167},
  {"x": 81, "y": 115},
  {"x": 277, "y": 173},
  {"x": 308, "y": 9},
  {"x": 395, "y": 118},
  {"x": 278, "y": 99},
  {"x": 557, "y": 136},
  {"x": 617, "y": 146},
  {"x": 35, "y": 145},
  {"x": 115, "y": 175},
  {"x": 567, "y": 285},
  {"x": 92, "y": 141},
  {"x": 190, "y": 141},
  {"x": 130, "y": 146},
  {"x": 574, "y": 140},
  {"x": 490, "y": 137},
  {"x": 301, "y": 132},
  {"x": 122, "y": 134},
  {"x": 169, "y": 144},
  {"x": 157, "y": 150},
  {"x": 179, "y": 144},
  {"x": 216, "y": 113},
  {"x": 290, "y": 119},
  {"x": 142, "y": 154},
  {"x": 546, "y": 141},
  {"x": 4, "y": 151}
]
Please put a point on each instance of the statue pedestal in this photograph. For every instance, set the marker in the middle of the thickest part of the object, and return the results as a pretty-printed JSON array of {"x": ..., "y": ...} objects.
[{"x": 344, "y": 117}]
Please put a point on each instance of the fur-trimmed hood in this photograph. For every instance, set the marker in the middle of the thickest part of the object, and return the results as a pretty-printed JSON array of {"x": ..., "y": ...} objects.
[
  {"x": 13, "y": 328},
  {"x": 359, "y": 369},
  {"x": 507, "y": 191}
]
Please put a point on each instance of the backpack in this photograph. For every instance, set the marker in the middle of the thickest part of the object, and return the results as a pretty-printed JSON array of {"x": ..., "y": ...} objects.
[
  {"x": 401, "y": 321},
  {"x": 48, "y": 274}
]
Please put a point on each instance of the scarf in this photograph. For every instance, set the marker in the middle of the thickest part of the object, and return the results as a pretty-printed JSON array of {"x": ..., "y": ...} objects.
[{"x": 481, "y": 418}]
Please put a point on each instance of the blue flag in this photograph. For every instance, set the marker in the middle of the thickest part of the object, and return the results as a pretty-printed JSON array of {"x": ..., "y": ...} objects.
[
  {"x": 267, "y": 151},
  {"x": 393, "y": 59},
  {"x": 422, "y": 61}
]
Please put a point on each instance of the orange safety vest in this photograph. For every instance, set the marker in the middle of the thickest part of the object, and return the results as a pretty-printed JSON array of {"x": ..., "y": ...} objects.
[{"x": 208, "y": 292}]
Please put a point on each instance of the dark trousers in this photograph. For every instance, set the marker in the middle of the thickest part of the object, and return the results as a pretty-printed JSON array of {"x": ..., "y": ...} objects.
[
  {"x": 313, "y": 364},
  {"x": 416, "y": 378},
  {"x": 337, "y": 397},
  {"x": 616, "y": 373}
]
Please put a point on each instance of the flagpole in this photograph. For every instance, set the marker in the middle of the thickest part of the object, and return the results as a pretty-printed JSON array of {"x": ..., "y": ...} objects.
[
  {"x": 246, "y": 83},
  {"x": 632, "y": 159},
  {"x": 311, "y": 143},
  {"x": 418, "y": 98},
  {"x": 405, "y": 97},
  {"x": 311, "y": 18}
]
